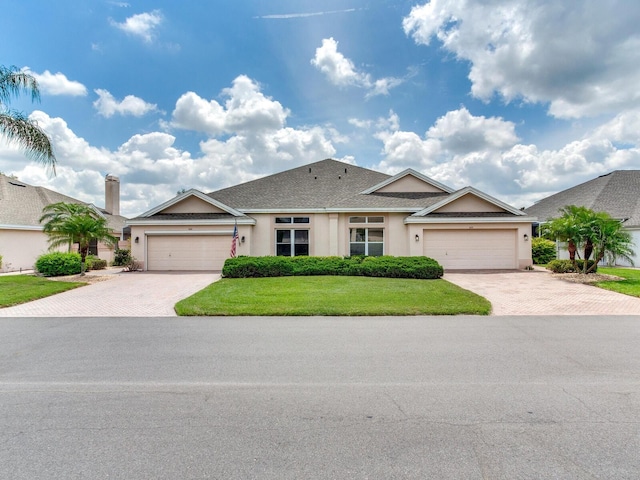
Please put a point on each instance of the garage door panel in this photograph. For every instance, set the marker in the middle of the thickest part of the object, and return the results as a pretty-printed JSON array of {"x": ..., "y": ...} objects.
[
  {"x": 472, "y": 249},
  {"x": 187, "y": 252}
]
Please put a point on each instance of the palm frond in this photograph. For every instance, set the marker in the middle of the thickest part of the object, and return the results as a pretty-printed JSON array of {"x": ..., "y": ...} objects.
[{"x": 29, "y": 136}]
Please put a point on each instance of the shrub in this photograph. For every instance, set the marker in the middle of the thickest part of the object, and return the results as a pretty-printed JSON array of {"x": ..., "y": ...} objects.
[
  {"x": 58, "y": 263},
  {"x": 122, "y": 257},
  {"x": 566, "y": 266},
  {"x": 94, "y": 263},
  {"x": 385, "y": 266},
  {"x": 542, "y": 250}
]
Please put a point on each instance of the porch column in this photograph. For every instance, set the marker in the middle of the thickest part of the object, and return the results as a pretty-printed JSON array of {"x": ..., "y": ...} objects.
[{"x": 333, "y": 234}]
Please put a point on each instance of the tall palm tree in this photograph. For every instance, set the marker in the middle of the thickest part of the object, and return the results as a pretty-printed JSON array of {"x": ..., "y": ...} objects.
[
  {"x": 17, "y": 127},
  {"x": 69, "y": 223}
]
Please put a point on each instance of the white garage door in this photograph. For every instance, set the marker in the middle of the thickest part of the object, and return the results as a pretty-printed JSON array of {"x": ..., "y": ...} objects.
[
  {"x": 472, "y": 249},
  {"x": 187, "y": 252}
]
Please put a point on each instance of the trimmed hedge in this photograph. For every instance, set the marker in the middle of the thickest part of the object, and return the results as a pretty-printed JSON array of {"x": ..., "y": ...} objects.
[
  {"x": 542, "y": 250},
  {"x": 384, "y": 266},
  {"x": 95, "y": 263},
  {"x": 122, "y": 257},
  {"x": 566, "y": 266},
  {"x": 56, "y": 264}
]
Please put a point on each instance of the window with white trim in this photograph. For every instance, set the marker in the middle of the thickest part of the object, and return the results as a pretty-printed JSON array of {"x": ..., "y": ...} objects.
[
  {"x": 366, "y": 219},
  {"x": 366, "y": 241},
  {"x": 292, "y": 242}
]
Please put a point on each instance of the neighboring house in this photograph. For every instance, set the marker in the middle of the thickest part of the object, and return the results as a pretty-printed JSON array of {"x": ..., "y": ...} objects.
[
  {"x": 617, "y": 193},
  {"x": 22, "y": 240},
  {"x": 334, "y": 208}
]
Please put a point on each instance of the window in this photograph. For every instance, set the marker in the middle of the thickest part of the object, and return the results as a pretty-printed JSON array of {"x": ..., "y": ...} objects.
[
  {"x": 366, "y": 241},
  {"x": 292, "y": 219},
  {"x": 366, "y": 219},
  {"x": 292, "y": 243}
]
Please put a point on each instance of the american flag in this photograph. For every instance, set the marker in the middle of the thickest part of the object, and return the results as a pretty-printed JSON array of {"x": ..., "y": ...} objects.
[{"x": 234, "y": 241}]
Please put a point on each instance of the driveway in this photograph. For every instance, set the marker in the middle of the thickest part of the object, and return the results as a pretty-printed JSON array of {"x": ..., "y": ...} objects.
[
  {"x": 538, "y": 292},
  {"x": 131, "y": 294},
  {"x": 153, "y": 294}
]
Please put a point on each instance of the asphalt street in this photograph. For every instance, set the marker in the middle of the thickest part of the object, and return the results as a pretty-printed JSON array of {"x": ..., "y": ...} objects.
[{"x": 320, "y": 398}]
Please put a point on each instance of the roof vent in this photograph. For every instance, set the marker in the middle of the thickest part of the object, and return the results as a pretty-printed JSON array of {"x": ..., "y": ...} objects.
[
  {"x": 345, "y": 170},
  {"x": 309, "y": 169}
]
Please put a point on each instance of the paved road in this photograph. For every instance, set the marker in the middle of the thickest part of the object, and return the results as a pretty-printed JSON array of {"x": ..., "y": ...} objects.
[{"x": 285, "y": 398}]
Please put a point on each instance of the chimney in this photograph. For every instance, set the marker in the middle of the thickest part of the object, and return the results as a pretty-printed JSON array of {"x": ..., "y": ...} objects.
[{"x": 112, "y": 194}]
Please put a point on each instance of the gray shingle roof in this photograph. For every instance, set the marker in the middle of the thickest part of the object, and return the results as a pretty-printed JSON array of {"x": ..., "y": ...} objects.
[
  {"x": 323, "y": 184},
  {"x": 21, "y": 204},
  {"x": 617, "y": 193}
]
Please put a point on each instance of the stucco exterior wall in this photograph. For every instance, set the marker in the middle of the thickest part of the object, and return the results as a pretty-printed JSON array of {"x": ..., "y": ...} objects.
[{"x": 21, "y": 248}]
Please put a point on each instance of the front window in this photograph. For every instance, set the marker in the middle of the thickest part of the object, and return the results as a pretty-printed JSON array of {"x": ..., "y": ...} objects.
[
  {"x": 292, "y": 243},
  {"x": 366, "y": 241}
]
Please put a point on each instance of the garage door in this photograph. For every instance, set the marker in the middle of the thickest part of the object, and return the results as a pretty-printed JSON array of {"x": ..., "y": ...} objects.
[
  {"x": 472, "y": 249},
  {"x": 187, "y": 252}
]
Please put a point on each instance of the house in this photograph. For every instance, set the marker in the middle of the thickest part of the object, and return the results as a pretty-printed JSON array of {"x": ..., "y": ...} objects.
[
  {"x": 22, "y": 239},
  {"x": 617, "y": 193},
  {"x": 334, "y": 208}
]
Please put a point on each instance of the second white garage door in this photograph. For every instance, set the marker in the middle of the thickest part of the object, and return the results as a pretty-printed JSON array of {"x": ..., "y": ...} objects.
[
  {"x": 187, "y": 252},
  {"x": 472, "y": 249}
]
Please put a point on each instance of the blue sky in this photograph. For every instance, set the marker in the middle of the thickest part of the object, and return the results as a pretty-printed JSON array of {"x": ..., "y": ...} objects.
[{"x": 519, "y": 99}]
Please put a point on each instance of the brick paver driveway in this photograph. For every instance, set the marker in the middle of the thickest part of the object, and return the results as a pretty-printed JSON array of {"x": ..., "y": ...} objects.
[
  {"x": 537, "y": 292},
  {"x": 134, "y": 294}
]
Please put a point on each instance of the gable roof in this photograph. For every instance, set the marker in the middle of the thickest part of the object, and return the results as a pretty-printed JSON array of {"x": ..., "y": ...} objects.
[
  {"x": 409, "y": 172},
  {"x": 21, "y": 205},
  {"x": 507, "y": 210},
  {"x": 617, "y": 193},
  {"x": 325, "y": 185}
]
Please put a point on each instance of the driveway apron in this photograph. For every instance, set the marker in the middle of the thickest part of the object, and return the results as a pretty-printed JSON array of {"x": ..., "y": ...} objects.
[
  {"x": 132, "y": 294},
  {"x": 538, "y": 292}
]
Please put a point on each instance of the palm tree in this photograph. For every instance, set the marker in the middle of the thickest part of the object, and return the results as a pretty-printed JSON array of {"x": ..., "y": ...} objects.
[
  {"x": 569, "y": 227},
  {"x": 69, "y": 223},
  {"x": 17, "y": 127},
  {"x": 609, "y": 239}
]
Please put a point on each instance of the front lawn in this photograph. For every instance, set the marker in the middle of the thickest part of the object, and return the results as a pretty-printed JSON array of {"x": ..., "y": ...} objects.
[
  {"x": 332, "y": 295},
  {"x": 15, "y": 289},
  {"x": 629, "y": 286}
]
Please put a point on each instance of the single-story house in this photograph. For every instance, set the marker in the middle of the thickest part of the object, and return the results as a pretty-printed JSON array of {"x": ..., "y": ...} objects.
[
  {"x": 333, "y": 208},
  {"x": 22, "y": 239},
  {"x": 617, "y": 193}
]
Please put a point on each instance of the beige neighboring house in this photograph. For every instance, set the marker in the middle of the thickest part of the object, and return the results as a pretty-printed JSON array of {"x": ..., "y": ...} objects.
[
  {"x": 334, "y": 208},
  {"x": 22, "y": 239}
]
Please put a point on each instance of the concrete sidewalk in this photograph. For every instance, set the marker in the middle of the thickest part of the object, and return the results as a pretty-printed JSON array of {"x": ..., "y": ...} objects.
[
  {"x": 130, "y": 294},
  {"x": 538, "y": 292}
]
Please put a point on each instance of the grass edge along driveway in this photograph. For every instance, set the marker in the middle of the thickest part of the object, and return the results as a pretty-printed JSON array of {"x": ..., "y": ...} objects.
[
  {"x": 629, "y": 286},
  {"x": 17, "y": 289},
  {"x": 332, "y": 295}
]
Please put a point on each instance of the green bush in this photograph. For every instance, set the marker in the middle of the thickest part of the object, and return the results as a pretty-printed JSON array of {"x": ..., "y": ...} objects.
[
  {"x": 385, "y": 266},
  {"x": 58, "y": 263},
  {"x": 122, "y": 257},
  {"x": 94, "y": 263},
  {"x": 542, "y": 250},
  {"x": 566, "y": 266}
]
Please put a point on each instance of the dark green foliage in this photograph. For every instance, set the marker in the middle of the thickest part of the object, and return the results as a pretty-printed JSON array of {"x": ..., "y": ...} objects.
[
  {"x": 95, "y": 263},
  {"x": 385, "y": 266},
  {"x": 122, "y": 257},
  {"x": 58, "y": 263},
  {"x": 542, "y": 250},
  {"x": 566, "y": 266}
]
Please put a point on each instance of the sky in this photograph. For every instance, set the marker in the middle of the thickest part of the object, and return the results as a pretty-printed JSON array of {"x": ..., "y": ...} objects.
[{"x": 517, "y": 98}]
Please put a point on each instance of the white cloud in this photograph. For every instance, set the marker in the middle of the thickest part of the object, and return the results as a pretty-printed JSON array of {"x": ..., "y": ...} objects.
[
  {"x": 304, "y": 15},
  {"x": 141, "y": 25},
  {"x": 342, "y": 72},
  {"x": 246, "y": 109},
  {"x": 461, "y": 149},
  {"x": 58, "y": 84},
  {"x": 107, "y": 105},
  {"x": 583, "y": 58}
]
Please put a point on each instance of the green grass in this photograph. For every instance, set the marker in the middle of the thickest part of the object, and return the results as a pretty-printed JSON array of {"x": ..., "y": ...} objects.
[
  {"x": 629, "y": 286},
  {"x": 329, "y": 295},
  {"x": 16, "y": 289}
]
